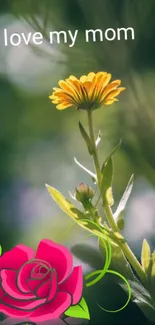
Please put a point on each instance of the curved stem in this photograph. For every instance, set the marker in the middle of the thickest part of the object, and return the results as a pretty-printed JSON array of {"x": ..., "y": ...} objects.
[{"x": 124, "y": 246}]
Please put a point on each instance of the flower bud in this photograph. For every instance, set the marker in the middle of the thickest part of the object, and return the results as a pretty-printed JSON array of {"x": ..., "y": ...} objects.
[{"x": 84, "y": 193}]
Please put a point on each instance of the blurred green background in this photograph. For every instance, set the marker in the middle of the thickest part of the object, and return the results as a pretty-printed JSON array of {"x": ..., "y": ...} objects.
[{"x": 39, "y": 143}]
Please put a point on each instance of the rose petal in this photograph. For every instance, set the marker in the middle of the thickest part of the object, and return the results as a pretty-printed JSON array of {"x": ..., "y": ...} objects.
[
  {"x": 23, "y": 276},
  {"x": 74, "y": 284},
  {"x": 16, "y": 257},
  {"x": 12, "y": 312},
  {"x": 58, "y": 256},
  {"x": 1, "y": 293},
  {"x": 24, "y": 305},
  {"x": 52, "y": 309},
  {"x": 35, "y": 284},
  {"x": 48, "y": 289},
  {"x": 9, "y": 285},
  {"x": 24, "y": 281}
]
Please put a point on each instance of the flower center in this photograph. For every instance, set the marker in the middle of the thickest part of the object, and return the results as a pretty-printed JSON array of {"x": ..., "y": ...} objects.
[
  {"x": 34, "y": 274},
  {"x": 40, "y": 270}
]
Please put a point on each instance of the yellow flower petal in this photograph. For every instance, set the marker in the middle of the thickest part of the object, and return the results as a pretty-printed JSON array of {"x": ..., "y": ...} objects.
[
  {"x": 100, "y": 84},
  {"x": 63, "y": 97},
  {"x": 72, "y": 77},
  {"x": 83, "y": 79},
  {"x": 90, "y": 76},
  {"x": 77, "y": 86},
  {"x": 111, "y": 101},
  {"x": 115, "y": 93},
  {"x": 88, "y": 92},
  {"x": 52, "y": 97},
  {"x": 87, "y": 86},
  {"x": 66, "y": 87},
  {"x": 118, "y": 82},
  {"x": 106, "y": 80},
  {"x": 57, "y": 89},
  {"x": 93, "y": 84},
  {"x": 55, "y": 101},
  {"x": 63, "y": 106},
  {"x": 100, "y": 75},
  {"x": 112, "y": 86}
]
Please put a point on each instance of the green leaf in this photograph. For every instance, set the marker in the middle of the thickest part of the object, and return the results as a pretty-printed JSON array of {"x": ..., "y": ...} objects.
[
  {"x": 119, "y": 214},
  {"x": 86, "y": 169},
  {"x": 89, "y": 255},
  {"x": 120, "y": 220},
  {"x": 110, "y": 155},
  {"x": 153, "y": 269},
  {"x": 109, "y": 196},
  {"x": 147, "y": 308},
  {"x": 146, "y": 256},
  {"x": 73, "y": 212},
  {"x": 141, "y": 297},
  {"x": 107, "y": 172},
  {"x": 86, "y": 138},
  {"x": 79, "y": 311},
  {"x": 107, "y": 181},
  {"x": 65, "y": 205},
  {"x": 0, "y": 250}
]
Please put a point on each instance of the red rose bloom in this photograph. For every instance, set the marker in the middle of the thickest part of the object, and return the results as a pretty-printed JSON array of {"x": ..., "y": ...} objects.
[{"x": 39, "y": 285}]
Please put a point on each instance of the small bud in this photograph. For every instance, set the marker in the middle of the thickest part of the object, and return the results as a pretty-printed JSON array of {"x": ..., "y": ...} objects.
[{"x": 84, "y": 193}]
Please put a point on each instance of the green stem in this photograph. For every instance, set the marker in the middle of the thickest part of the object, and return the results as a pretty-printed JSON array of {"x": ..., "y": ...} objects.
[
  {"x": 95, "y": 155},
  {"x": 124, "y": 246},
  {"x": 97, "y": 167},
  {"x": 110, "y": 217}
]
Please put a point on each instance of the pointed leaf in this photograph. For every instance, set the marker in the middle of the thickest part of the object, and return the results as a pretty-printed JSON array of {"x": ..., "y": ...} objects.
[
  {"x": 145, "y": 256},
  {"x": 73, "y": 212},
  {"x": 110, "y": 155},
  {"x": 107, "y": 172},
  {"x": 0, "y": 250},
  {"x": 147, "y": 308},
  {"x": 109, "y": 196},
  {"x": 84, "y": 168},
  {"x": 107, "y": 181},
  {"x": 119, "y": 214},
  {"x": 141, "y": 297},
  {"x": 79, "y": 311},
  {"x": 86, "y": 138},
  {"x": 153, "y": 269},
  {"x": 120, "y": 220},
  {"x": 64, "y": 204}
]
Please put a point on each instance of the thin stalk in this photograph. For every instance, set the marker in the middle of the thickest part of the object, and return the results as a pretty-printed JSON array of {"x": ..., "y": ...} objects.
[
  {"x": 110, "y": 217},
  {"x": 124, "y": 246},
  {"x": 95, "y": 155}
]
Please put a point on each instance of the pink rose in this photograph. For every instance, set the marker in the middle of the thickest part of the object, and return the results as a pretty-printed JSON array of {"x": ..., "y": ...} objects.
[{"x": 39, "y": 285}]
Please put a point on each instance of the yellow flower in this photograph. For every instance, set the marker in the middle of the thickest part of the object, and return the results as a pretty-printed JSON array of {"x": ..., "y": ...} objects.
[{"x": 88, "y": 93}]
